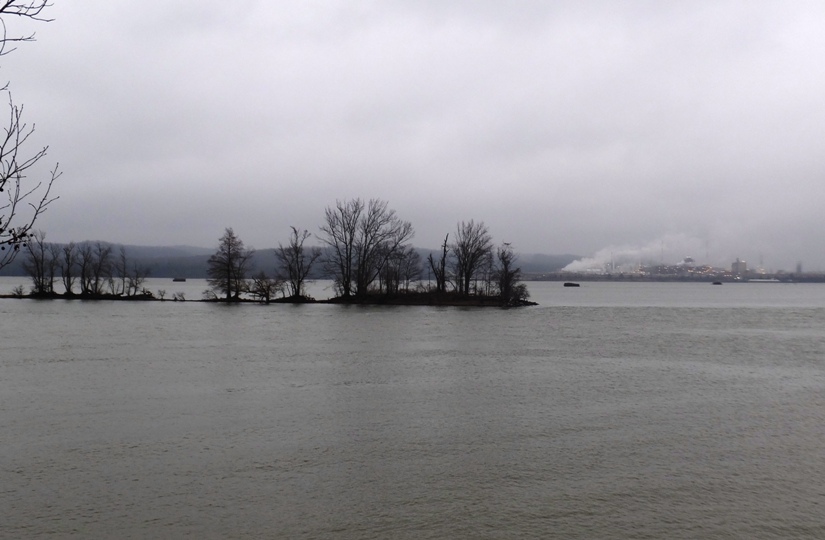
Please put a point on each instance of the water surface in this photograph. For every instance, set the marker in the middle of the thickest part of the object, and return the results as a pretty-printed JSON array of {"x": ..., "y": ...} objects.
[{"x": 616, "y": 410}]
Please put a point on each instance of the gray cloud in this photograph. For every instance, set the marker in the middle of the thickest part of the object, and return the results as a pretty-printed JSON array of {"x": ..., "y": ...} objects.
[{"x": 566, "y": 126}]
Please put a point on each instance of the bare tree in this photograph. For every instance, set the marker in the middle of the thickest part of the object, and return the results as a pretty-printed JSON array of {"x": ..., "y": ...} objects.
[
  {"x": 135, "y": 279},
  {"x": 400, "y": 269},
  {"x": 101, "y": 267},
  {"x": 85, "y": 261},
  {"x": 439, "y": 268},
  {"x": 120, "y": 270},
  {"x": 229, "y": 265},
  {"x": 484, "y": 276},
  {"x": 389, "y": 279},
  {"x": 339, "y": 229},
  {"x": 380, "y": 235},
  {"x": 296, "y": 262},
  {"x": 54, "y": 263},
  {"x": 263, "y": 287},
  {"x": 24, "y": 201},
  {"x": 361, "y": 239},
  {"x": 68, "y": 261},
  {"x": 410, "y": 267},
  {"x": 37, "y": 263},
  {"x": 126, "y": 277},
  {"x": 508, "y": 276},
  {"x": 472, "y": 244},
  {"x": 95, "y": 266}
]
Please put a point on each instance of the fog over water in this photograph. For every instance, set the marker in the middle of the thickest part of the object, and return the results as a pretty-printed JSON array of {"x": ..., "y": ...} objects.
[{"x": 567, "y": 127}]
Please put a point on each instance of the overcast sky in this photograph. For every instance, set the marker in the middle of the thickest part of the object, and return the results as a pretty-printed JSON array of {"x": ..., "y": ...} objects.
[{"x": 668, "y": 128}]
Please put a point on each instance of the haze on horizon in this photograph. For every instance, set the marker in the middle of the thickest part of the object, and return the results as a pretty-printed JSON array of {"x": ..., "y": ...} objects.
[{"x": 568, "y": 127}]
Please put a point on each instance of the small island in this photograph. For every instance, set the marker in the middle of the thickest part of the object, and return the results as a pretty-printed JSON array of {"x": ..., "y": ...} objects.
[{"x": 365, "y": 251}]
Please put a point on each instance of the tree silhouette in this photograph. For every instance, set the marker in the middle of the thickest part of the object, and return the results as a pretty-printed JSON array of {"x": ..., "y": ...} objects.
[
  {"x": 296, "y": 262},
  {"x": 439, "y": 268},
  {"x": 68, "y": 261},
  {"x": 472, "y": 245},
  {"x": 381, "y": 236},
  {"x": 228, "y": 266},
  {"x": 361, "y": 240},
  {"x": 24, "y": 200},
  {"x": 508, "y": 277},
  {"x": 264, "y": 287},
  {"x": 340, "y": 227},
  {"x": 39, "y": 264}
]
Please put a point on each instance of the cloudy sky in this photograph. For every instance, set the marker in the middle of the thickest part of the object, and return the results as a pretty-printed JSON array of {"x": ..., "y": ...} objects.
[{"x": 673, "y": 128}]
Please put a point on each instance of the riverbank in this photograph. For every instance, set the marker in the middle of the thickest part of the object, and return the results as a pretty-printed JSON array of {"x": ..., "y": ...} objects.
[
  {"x": 402, "y": 299},
  {"x": 666, "y": 278}
]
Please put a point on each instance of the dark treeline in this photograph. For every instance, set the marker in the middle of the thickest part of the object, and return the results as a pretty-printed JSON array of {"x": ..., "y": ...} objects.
[
  {"x": 191, "y": 262},
  {"x": 365, "y": 249},
  {"x": 88, "y": 269},
  {"x": 367, "y": 252}
]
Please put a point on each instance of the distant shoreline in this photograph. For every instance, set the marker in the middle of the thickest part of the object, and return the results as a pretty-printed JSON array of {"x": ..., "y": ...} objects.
[
  {"x": 759, "y": 278},
  {"x": 409, "y": 299}
]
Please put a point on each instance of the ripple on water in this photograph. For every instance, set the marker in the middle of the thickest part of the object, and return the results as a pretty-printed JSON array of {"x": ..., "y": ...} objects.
[{"x": 592, "y": 421}]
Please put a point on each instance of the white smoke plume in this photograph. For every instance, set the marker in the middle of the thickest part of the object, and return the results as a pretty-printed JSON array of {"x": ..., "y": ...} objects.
[{"x": 669, "y": 249}]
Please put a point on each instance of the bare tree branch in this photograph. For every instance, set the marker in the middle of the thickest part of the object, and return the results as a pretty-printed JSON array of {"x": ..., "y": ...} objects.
[
  {"x": 18, "y": 215},
  {"x": 361, "y": 239},
  {"x": 472, "y": 244},
  {"x": 296, "y": 262}
]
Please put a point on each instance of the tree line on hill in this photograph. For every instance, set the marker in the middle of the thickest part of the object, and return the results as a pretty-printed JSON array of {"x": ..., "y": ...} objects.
[{"x": 365, "y": 250}]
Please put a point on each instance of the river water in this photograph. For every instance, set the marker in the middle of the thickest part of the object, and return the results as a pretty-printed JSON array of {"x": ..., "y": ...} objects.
[{"x": 616, "y": 410}]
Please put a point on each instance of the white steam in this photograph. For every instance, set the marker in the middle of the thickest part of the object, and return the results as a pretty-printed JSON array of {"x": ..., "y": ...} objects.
[{"x": 669, "y": 249}]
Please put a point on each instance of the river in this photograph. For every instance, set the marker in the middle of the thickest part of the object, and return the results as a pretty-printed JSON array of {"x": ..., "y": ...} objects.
[{"x": 613, "y": 410}]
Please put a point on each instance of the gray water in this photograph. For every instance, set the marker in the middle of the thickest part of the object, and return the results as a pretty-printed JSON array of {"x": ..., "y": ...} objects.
[{"x": 610, "y": 411}]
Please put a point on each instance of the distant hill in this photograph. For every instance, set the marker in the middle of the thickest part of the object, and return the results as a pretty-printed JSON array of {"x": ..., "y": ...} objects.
[
  {"x": 191, "y": 261},
  {"x": 540, "y": 263},
  {"x": 157, "y": 252},
  {"x": 530, "y": 263}
]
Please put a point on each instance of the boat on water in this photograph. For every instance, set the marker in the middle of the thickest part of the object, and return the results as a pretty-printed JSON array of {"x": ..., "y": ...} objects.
[
  {"x": 571, "y": 284},
  {"x": 177, "y": 279},
  {"x": 764, "y": 280}
]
